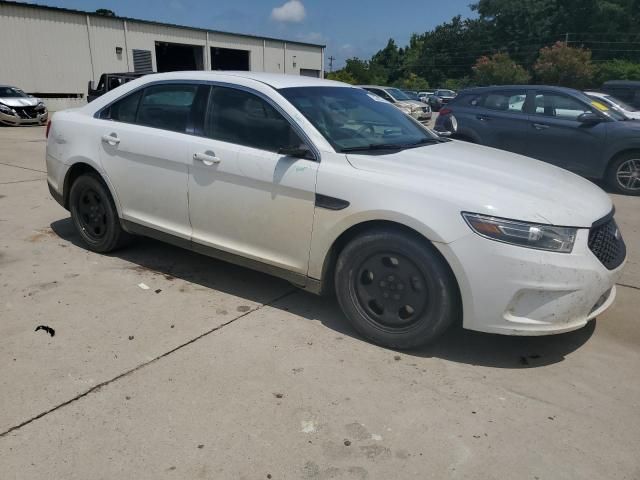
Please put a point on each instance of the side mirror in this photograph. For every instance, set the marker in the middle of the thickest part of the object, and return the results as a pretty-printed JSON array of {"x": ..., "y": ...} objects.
[
  {"x": 589, "y": 118},
  {"x": 301, "y": 151}
]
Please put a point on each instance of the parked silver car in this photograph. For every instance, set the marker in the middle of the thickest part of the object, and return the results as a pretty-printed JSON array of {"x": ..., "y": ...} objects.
[
  {"x": 18, "y": 108},
  {"x": 400, "y": 99}
]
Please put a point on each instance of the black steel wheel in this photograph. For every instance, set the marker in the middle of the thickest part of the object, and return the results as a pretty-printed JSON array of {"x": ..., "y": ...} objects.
[
  {"x": 396, "y": 289},
  {"x": 94, "y": 214}
]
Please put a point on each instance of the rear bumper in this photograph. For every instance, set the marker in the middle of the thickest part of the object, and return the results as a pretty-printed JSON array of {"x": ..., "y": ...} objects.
[
  {"x": 513, "y": 290},
  {"x": 16, "y": 120}
]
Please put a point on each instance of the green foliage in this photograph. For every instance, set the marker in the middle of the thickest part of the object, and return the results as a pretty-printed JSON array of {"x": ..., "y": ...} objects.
[
  {"x": 617, "y": 70},
  {"x": 414, "y": 82},
  {"x": 564, "y": 65},
  {"x": 342, "y": 76},
  {"x": 499, "y": 69},
  {"x": 106, "y": 12},
  {"x": 364, "y": 72}
]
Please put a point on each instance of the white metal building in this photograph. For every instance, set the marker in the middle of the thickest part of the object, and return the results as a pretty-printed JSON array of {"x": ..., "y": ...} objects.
[{"x": 53, "y": 53}]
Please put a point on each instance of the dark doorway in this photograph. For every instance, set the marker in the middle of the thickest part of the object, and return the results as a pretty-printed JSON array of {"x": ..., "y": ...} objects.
[
  {"x": 172, "y": 57},
  {"x": 229, "y": 59},
  {"x": 308, "y": 72}
]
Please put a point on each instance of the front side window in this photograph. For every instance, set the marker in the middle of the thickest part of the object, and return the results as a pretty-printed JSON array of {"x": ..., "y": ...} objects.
[
  {"x": 560, "y": 106},
  {"x": 353, "y": 119},
  {"x": 510, "y": 101},
  {"x": 240, "y": 117}
]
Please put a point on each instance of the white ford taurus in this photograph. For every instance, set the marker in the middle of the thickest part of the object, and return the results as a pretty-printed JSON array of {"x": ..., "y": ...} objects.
[{"x": 333, "y": 189}]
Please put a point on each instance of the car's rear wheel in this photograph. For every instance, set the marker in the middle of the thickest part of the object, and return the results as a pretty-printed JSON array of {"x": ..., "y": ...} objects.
[
  {"x": 623, "y": 175},
  {"x": 396, "y": 289},
  {"x": 94, "y": 214}
]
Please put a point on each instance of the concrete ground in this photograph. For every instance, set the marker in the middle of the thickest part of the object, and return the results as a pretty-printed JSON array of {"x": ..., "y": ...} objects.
[{"x": 219, "y": 372}]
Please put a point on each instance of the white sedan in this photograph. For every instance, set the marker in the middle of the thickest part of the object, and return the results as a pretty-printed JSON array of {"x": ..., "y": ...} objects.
[
  {"x": 614, "y": 103},
  {"x": 319, "y": 183}
]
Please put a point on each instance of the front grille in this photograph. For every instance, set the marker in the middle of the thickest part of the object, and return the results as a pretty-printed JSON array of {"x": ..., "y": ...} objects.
[
  {"x": 606, "y": 243},
  {"x": 26, "y": 112}
]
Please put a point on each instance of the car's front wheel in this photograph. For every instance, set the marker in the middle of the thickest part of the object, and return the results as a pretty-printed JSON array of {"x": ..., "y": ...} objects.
[
  {"x": 396, "y": 289},
  {"x": 94, "y": 214},
  {"x": 623, "y": 174}
]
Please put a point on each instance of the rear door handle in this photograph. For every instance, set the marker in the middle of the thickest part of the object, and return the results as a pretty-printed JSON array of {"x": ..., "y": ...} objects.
[
  {"x": 206, "y": 158},
  {"x": 111, "y": 139},
  {"x": 540, "y": 126}
]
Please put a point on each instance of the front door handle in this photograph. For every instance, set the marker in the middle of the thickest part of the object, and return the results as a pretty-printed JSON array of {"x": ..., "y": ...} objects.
[
  {"x": 540, "y": 126},
  {"x": 207, "y": 158},
  {"x": 111, "y": 139},
  {"x": 484, "y": 118}
]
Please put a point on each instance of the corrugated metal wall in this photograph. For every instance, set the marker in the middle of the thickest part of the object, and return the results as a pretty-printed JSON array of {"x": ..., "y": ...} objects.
[{"x": 49, "y": 51}]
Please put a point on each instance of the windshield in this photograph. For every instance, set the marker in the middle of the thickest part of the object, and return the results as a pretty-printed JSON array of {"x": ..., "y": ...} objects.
[
  {"x": 412, "y": 96},
  {"x": 397, "y": 94},
  {"x": 354, "y": 119},
  {"x": 11, "y": 92},
  {"x": 446, "y": 93}
]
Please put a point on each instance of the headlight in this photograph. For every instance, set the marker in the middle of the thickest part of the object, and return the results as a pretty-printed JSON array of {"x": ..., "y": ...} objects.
[
  {"x": 40, "y": 106},
  {"x": 405, "y": 109},
  {"x": 5, "y": 109},
  {"x": 530, "y": 235}
]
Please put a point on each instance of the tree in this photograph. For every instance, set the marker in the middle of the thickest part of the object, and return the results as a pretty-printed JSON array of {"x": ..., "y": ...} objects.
[
  {"x": 414, "y": 82},
  {"x": 106, "y": 12},
  {"x": 564, "y": 65},
  {"x": 342, "y": 76},
  {"x": 364, "y": 72},
  {"x": 617, "y": 70},
  {"x": 499, "y": 69},
  {"x": 389, "y": 61}
]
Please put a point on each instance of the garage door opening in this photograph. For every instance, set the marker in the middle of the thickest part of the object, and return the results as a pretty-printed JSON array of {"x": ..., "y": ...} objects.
[
  {"x": 229, "y": 59},
  {"x": 173, "y": 57}
]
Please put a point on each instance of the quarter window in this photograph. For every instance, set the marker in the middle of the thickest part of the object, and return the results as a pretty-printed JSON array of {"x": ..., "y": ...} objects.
[
  {"x": 240, "y": 117},
  {"x": 124, "y": 110},
  {"x": 560, "y": 106}
]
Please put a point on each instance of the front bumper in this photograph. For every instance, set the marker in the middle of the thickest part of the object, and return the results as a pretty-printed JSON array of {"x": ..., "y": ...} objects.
[
  {"x": 513, "y": 290},
  {"x": 15, "y": 120}
]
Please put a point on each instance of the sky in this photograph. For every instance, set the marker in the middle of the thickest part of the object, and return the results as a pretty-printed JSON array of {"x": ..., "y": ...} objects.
[{"x": 348, "y": 27}]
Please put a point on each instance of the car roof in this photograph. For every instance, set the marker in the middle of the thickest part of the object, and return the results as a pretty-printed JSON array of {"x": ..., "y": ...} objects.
[
  {"x": 622, "y": 83},
  {"x": 596, "y": 94},
  {"x": 374, "y": 86},
  {"x": 275, "y": 80},
  {"x": 540, "y": 88}
]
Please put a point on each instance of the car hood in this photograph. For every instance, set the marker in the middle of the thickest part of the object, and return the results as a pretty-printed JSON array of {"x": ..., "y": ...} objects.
[
  {"x": 493, "y": 182},
  {"x": 411, "y": 103},
  {"x": 19, "y": 102}
]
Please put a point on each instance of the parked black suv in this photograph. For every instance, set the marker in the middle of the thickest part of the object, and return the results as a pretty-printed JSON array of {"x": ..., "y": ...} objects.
[
  {"x": 554, "y": 124},
  {"x": 108, "y": 82}
]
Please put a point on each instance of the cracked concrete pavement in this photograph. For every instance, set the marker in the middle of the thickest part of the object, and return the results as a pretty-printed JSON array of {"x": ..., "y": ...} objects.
[{"x": 228, "y": 373}]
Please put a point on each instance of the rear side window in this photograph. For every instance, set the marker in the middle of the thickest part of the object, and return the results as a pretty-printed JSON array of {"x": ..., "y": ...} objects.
[
  {"x": 560, "y": 106},
  {"x": 240, "y": 117},
  {"x": 167, "y": 107},
  {"x": 124, "y": 110},
  {"x": 512, "y": 101}
]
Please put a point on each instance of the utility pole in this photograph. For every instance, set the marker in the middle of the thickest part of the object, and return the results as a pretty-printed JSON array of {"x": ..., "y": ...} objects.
[
  {"x": 566, "y": 39},
  {"x": 331, "y": 59}
]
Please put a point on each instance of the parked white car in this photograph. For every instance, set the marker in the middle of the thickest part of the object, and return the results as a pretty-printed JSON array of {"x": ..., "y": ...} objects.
[
  {"x": 328, "y": 187},
  {"x": 615, "y": 103}
]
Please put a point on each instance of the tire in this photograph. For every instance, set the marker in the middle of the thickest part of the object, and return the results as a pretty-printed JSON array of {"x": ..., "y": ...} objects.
[
  {"x": 623, "y": 174},
  {"x": 396, "y": 290},
  {"x": 94, "y": 214}
]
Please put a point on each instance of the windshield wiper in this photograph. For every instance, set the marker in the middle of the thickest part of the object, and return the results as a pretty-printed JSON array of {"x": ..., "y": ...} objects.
[{"x": 391, "y": 146}]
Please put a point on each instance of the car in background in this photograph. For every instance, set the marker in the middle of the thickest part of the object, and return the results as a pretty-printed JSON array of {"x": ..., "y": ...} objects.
[
  {"x": 412, "y": 94},
  {"x": 626, "y": 90},
  {"x": 558, "y": 125},
  {"x": 19, "y": 108},
  {"x": 615, "y": 104},
  {"x": 424, "y": 95},
  {"x": 108, "y": 82},
  {"x": 413, "y": 108},
  {"x": 440, "y": 98},
  {"x": 338, "y": 191}
]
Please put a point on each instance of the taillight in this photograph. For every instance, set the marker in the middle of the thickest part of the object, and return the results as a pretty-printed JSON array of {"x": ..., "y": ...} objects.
[
  {"x": 48, "y": 128},
  {"x": 445, "y": 111}
]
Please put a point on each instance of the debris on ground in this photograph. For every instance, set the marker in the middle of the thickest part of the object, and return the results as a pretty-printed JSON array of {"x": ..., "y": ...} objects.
[
  {"x": 143, "y": 286},
  {"x": 47, "y": 329},
  {"x": 158, "y": 290}
]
